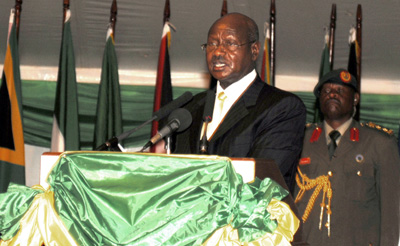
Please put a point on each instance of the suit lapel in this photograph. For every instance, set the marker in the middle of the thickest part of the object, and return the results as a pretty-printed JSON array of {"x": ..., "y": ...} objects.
[{"x": 240, "y": 109}]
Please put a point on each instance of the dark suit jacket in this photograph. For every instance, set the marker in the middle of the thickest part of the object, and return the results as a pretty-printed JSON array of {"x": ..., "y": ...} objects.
[
  {"x": 265, "y": 122},
  {"x": 364, "y": 177}
]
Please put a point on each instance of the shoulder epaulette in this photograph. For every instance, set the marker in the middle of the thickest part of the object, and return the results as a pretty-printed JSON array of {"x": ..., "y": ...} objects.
[{"x": 378, "y": 127}]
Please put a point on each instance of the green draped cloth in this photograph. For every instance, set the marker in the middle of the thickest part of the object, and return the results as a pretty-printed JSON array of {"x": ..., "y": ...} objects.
[{"x": 109, "y": 198}]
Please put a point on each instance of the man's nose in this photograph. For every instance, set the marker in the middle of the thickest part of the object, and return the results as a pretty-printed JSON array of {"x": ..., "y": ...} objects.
[
  {"x": 220, "y": 49},
  {"x": 333, "y": 93}
]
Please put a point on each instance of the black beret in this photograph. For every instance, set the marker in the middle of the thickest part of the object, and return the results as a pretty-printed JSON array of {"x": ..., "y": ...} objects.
[{"x": 338, "y": 76}]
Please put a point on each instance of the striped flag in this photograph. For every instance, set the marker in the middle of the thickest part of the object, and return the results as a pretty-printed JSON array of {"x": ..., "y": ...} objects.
[
  {"x": 353, "y": 64},
  {"x": 109, "y": 112},
  {"x": 12, "y": 150},
  {"x": 354, "y": 53},
  {"x": 65, "y": 133},
  {"x": 266, "y": 62},
  {"x": 163, "y": 90}
]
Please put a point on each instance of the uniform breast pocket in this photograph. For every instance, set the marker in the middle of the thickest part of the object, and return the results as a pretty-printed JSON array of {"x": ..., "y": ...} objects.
[{"x": 360, "y": 180}]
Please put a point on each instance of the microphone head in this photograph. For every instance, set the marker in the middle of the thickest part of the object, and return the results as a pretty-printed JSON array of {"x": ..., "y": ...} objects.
[
  {"x": 177, "y": 103},
  {"x": 183, "y": 117}
]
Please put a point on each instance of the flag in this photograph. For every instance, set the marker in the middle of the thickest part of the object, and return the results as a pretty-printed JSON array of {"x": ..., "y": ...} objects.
[
  {"x": 109, "y": 112},
  {"x": 65, "y": 133},
  {"x": 266, "y": 62},
  {"x": 353, "y": 64},
  {"x": 12, "y": 150},
  {"x": 163, "y": 90},
  {"x": 353, "y": 54},
  {"x": 324, "y": 68}
]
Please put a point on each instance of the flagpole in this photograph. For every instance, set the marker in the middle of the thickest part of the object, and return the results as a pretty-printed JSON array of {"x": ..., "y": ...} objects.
[
  {"x": 163, "y": 88},
  {"x": 66, "y": 8},
  {"x": 18, "y": 9},
  {"x": 113, "y": 16},
  {"x": 332, "y": 36},
  {"x": 272, "y": 30},
  {"x": 358, "y": 57},
  {"x": 224, "y": 9},
  {"x": 167, "y": 12}
]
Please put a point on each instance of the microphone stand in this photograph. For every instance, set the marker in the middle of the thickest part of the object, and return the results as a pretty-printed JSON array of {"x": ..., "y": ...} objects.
[
  {"x": 113, "y": 142},
  {"x": 204, "y": 141},
  {"x": 167, "y": 146}
]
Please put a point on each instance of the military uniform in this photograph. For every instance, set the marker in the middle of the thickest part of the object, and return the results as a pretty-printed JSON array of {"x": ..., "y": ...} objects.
[{"x": 361, "y": 185}]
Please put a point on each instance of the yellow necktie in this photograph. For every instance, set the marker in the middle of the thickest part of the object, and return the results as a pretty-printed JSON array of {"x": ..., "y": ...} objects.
[{"x": 217, "y": 114}]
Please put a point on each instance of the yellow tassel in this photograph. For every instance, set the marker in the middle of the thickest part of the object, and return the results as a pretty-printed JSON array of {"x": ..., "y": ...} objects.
[{"x": 320, "y": 183}]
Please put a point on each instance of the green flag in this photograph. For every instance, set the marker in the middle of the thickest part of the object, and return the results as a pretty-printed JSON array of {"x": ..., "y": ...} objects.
[
  {"x": 12, "y": 150},
  {"x": 109, "y": 112},
  {"x": 65, "y": 133},
  {"x": 325, "y": 67}
]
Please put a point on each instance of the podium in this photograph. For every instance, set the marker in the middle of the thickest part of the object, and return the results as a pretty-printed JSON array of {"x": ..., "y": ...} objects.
[
  {"x": 248, "y": 168},
  {"x": 145, "y": 199}
]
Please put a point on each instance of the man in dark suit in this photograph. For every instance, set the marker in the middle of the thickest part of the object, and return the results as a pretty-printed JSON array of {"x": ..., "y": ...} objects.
[
  {"x": 348, "y": 184},
  {"x": 250, "y": 118}
]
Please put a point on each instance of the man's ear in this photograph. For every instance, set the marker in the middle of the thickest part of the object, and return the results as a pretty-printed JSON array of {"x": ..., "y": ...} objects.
[
  {"x": 356, "y": 98},
  {"x": 255, "y": 50}
]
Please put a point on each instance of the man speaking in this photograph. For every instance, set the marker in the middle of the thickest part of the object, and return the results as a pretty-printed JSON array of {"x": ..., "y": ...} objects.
[{"x": 250, "y": 118}]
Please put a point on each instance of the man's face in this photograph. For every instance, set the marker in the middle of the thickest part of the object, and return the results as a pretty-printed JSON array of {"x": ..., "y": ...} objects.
[
  {"x": 224, "y": 64},
  {"x": 337, "y": 102}
]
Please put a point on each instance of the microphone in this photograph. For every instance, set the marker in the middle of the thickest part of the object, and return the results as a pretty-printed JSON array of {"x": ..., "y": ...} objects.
[
  {"x": 178, "y": 121},
  {"x": 207, "y": 118},
  {"x": 158, "y": 115},
  {"x": 171, "y": 106}
]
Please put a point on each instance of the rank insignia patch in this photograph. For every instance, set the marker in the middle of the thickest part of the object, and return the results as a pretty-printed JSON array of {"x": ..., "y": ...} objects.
[
  {"x": 354, "y": 134},
  {"x": 315, "y": 135},
  {"x": 305, "y": 161}
]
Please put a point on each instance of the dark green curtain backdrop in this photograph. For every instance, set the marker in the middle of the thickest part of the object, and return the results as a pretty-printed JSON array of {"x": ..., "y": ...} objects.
[{"x": 137, "y": 105}]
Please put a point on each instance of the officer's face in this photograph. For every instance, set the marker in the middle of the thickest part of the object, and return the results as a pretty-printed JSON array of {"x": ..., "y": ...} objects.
[
  {"x": 226, "y": 63},
  {"x": 337, "y": 101}
]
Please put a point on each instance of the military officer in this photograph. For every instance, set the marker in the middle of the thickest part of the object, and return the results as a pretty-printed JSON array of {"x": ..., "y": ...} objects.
[{"x": 348, "y": 175}]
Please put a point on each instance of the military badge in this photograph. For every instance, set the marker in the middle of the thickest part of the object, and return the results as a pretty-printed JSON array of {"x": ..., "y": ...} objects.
[
  {"x": 359, "y": 158},
  {"x": 345, "y": 76}
]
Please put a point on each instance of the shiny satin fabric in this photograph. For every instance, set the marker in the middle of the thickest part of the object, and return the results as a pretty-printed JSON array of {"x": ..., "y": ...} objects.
[
  {"x": 40, "y": 224},
  {"x": 287, "y": 221},
  {"x": 13, "y": 205},
  {"x": 106, "y": 198}
]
